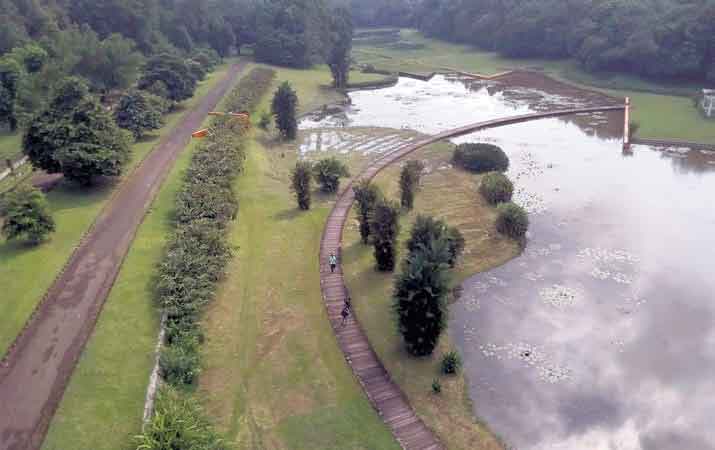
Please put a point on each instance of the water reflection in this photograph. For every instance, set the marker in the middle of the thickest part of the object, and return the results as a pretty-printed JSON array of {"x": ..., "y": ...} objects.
[{"x": 601, "y": 334}]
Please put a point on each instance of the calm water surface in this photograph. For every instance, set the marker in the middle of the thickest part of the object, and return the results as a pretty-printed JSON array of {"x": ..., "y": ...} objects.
[{"x": 600, "y": 336}]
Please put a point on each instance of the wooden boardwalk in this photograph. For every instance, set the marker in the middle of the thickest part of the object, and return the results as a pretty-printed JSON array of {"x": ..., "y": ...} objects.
[{"x": 384, "y": 395}]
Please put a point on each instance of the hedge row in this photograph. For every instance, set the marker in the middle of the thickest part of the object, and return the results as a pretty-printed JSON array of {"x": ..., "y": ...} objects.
[{"x": 198, "y": 252}]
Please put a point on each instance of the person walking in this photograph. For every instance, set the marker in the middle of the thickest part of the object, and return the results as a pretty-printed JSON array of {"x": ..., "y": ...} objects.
[
  {"x": 333, "y": 261},
  {"x": 345, "y": 313}
]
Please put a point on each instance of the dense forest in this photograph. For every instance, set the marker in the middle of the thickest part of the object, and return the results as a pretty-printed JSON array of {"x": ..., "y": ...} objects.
[
  {"x": 672, "y": 39},
  {"x": 162, "y": 47}
]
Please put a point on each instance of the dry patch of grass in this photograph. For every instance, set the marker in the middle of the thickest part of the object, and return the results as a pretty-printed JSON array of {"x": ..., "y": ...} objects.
[{"x": 450, "y": 194}]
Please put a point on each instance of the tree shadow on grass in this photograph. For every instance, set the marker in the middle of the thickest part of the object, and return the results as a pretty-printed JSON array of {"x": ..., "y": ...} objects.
[{"x": 288, "y": 214}]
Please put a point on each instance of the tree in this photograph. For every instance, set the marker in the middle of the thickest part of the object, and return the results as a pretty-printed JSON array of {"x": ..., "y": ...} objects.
[
  {"x": 328, "y": 172},
  {"x": 409, "y": 181},
  {"x": 512, "y": 220},
  {"x": 10, "y": 74},
  {"x": 75, "y": 136},
  {"x": 173, "y": 72},
  {"x": 139, "y": 111},
  {"x": 284, "y": 109},
  {"x": 428, "y": 230},
  {"x": 496, "y": 188},
  {"x": 341, "y": 28},
  {"x": 384, "y": 229},
  {"x": 420, "y": 298},
  {"x": 301, "y": 178},
  {"x": 26, "y": 215},
  {"x": 367, "y": 195},
  {"x": 221, "y": 36}
]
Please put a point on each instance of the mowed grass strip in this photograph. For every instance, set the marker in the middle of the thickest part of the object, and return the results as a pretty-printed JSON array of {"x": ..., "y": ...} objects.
[
  {"x": 10, "y": 148},
  {"x": 27, "y": 272},
  {"x": 663, "y": 111},
  {"x": 275, "y": 377},
  {"x": 449, "y": 194}
]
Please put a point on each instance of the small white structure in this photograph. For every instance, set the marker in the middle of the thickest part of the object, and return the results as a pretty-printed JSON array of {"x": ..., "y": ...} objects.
[{"x": 708, "y": 102}]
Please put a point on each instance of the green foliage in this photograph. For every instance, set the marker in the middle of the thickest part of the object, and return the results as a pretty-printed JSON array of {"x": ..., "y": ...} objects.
[
  {"x": 436, "y": 386},
  {"x": 409, "y": 181},
  {"x": 26, "y": 215},
  {"x": 284, "y": 107},
  {"x": 451, "y": 363},
  {"x": 480, "y": 158},
  {"x": 341, "y": 30},
  {"x": 252, "y": 87},
  {"x": 112, "y": 63},
  {"x": 512, "y": 220},
  {"x": 292, "y": 33},
  {"x": 75, "y": 136},
  {"x": 179, "y": 362},
  {"x": 221, "y": 36},
  {"x": 328, "y": 172},
  {"x": 10, "y": 74},
  {"x": 207, "y": 57},
  {"x": 140, "y": 111},
  {"x": 197, "y": 70},
  {"x": 428, "y": 230},
  {"x": 265, "y": 121},
  {"x": 367, "y": 195},
  {"x": 496, "y": 188},
  {"x": 384, "y": 230},
  {"x": 179, "y": 422},
  {"x": 173, "y": 72},
  {"x": 420, "y": 297},
  {"x": 33, "y": 57},
  {"x": 301, "y": 178}
]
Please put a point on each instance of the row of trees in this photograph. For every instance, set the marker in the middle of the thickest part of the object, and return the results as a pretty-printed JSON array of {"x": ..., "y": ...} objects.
[{"x": 654, "y": 38}]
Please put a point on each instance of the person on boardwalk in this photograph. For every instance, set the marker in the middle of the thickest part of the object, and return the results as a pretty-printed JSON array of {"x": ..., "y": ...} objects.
[
  {"x": 345, "y": 313},
  {"x": 333, "y": 261},
  {"x": 348, "y": 303}
]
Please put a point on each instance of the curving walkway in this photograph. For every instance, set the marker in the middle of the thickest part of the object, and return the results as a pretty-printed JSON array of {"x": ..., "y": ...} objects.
[
  {"x": 385, "y": 396},
  {"x": 36, "y": 369}
]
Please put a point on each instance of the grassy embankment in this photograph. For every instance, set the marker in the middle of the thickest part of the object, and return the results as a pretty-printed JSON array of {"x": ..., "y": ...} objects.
[
  {"x": 105, "y": 396},
  {"x": 663, "y": 111},
  {"x": 450, "y": 194},
  {"x": 27, "y": 272},
  {"x": 10, "y": 147},
  {"x": 274, "y": 376}
]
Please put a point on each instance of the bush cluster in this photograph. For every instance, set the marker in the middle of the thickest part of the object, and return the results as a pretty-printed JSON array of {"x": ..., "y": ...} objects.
[
  {"x": 198, "y": 252},
  {"x": 512, "y": 220},
  {"x": 249, "y": 92},
  {"x": 451, "y": 363},
  {"x": 480, "y": 158},
  {"x": 496, "y": 188}
]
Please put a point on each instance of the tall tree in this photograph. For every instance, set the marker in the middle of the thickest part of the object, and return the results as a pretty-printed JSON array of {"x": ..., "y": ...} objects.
[
  {"x": 171, "y": 71},
  {"x": 367, "y": 195},
  {"x": 284, "y": 108},
  {"x": 384, "y": 229},
  {"x": 420, "y": 297},
  {"x": 76, "y": 136},
  {"x": 139, "y": 111},
  {"x": 301, "y": 178},
  {"x": 409, "y": 181},
  {"x": 341, "y": 28},
  {"x": 10, "y": 73}
]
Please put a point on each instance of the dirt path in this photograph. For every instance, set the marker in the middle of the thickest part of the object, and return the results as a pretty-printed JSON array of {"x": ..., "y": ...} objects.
[
  {"x": 36, "y": 369},
  {"x": 384, "y": 394}
]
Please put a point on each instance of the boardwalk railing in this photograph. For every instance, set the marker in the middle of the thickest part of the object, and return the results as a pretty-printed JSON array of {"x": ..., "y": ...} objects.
[{"x": 384, "y": 394}]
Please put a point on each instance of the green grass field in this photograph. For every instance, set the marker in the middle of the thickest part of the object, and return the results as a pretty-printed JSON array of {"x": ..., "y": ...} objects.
[
  {"x": 27, "y": 272},
  {"x": 10, "y": 147},
  {"x": 450, "y": 413},
  {"x": 664, "y": 111},
  {"x": 106, "y": 394}
]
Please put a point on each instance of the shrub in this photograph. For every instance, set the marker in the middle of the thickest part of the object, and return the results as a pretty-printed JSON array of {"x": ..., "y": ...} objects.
[
  {"x": 384, "y": 229},
  {"x": 512, "y": 220},
  {"x": 301, "y": 183},
  {"x": 366, "y": 196},
  {"x": 328, "y": 173},
  {"x": 436, "y": 386},
  {"x": 409, "y": 181},
  {"x": 420, "y": 298},
  {"x": 428, "y": 230},
  {"x": 179, "y": 422},
  {"x": 451, "y": 363},
  {"x": 250, "y": 90},
  {"x": 173, "y": 72},
  {"x": 284, "y": 107},
  {"x": 481, "y": 158},
  {"x": 140, "y": 111},
  {"x": 179, "y": 362},
  {"x": 496, "y": 188},
  {"x": 265, "y": 121},
  {"x": 26, "y": 215}
]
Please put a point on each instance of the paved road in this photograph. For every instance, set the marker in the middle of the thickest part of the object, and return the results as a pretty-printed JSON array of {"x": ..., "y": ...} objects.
[
  {"x": 386, "y": 396},
  {"x": 35, "y": 371}
]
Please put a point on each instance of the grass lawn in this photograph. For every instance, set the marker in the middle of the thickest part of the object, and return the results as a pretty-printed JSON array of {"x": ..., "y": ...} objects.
[
  {"x": 10, "y": 147},
  {"x": 663, "y": 110},
  {"x": 27, "y": 272},
  {"x": 105, "y": 396},
  {"x": 452, "y": 195}
]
